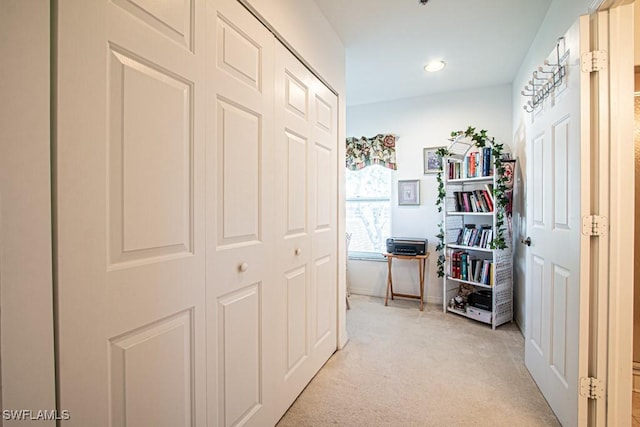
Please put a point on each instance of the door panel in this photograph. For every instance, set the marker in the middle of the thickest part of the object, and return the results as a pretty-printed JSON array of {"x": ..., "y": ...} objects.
[
  {"x": 305, "y": 147},
  {"x": 296, "y": 95},
  {"x": 325, "y": 301},
  {"x": 323, "y": 183},
  {"x": 239, "y": 140},
  {"x": 561, "y": 168},
  {"x": 535, "y": 327},
  {"x": 537, "y": 183},
  {"x": 129, "y": 200},
  {"x": 168, "y": 343},
  {"x": 560, "y": 285},
  {"x": 557, "y": 292},
  {"x": 240, "y": 366},
  {"x": 296, "y": 190},
  {"x": 297, "y": 321},
  {"x": 151, "y": 213},
  {"x": 173, "y": 19},
  {"x": 240, "y": 277}
]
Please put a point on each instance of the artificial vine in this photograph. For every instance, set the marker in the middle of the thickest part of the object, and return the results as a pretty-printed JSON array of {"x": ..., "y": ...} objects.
[{"x": 500, "y": 198}]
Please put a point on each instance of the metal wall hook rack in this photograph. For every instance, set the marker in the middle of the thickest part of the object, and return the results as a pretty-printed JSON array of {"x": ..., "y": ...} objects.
[{"x": 546, "y": 78}]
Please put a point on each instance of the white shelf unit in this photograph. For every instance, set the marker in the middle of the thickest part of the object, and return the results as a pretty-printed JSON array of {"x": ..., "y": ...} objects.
[{"x": 500, "y": 275}]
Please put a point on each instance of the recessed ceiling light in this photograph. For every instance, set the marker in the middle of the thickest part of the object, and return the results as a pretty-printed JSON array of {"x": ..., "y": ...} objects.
[{"x": 434, "y": 66}]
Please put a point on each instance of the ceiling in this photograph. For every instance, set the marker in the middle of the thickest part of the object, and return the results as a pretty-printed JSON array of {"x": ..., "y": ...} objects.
[{"x": 388, "y": 43}]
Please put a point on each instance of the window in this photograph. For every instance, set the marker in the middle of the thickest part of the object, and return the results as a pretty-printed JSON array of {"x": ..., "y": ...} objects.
[{"x": 368, "y": 205}]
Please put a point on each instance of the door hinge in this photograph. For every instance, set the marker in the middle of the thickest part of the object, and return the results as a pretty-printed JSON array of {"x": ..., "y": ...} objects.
[
  {"x": 595, "y": 225},
  {"x": 591, "y": 388},
  {"x": 596, "y": 60}
]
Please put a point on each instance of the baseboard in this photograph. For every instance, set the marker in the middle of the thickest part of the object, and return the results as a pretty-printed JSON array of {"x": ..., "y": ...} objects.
[
  {"x": 517, "y": 322},
  {"x": 367, "y": 292},
  {"x": 636, "y": 376}
]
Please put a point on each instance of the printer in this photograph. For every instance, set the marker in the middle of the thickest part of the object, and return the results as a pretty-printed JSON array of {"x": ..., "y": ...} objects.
[{"x": 407, "y": 246}]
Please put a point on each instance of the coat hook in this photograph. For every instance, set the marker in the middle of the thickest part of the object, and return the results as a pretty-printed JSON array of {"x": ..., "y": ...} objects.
[
  {"x": 542, "y": 79},
  {"x": 543, "y": 71}
]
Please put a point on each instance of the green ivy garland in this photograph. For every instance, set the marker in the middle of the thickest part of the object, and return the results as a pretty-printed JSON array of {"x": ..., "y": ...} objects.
[{"x": 480, "y": 140}]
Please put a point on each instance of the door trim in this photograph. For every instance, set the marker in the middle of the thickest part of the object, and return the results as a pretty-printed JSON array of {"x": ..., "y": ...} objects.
[
  {"x": 620, "y": 277},
  {"x": 26, "y": 325}
]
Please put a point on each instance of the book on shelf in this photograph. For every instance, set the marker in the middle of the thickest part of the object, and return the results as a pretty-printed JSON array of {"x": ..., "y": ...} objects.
[
  {"x": 466, "y": 207},
  {"x": 481, "y": 200},
  {"x": 488, "y": 198},
  {"x": 460, "y": 202},
  {"x": 473, "y": 202},
  {"x": 486, "y": 161},
  {"x": 472, "y": 163},
  {"x": 464, "y": 263},
  {"x": 477, "y": 269}
]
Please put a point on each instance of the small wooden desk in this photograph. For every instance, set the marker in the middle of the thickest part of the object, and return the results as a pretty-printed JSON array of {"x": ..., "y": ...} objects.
[{"x": 422, "y": 260}]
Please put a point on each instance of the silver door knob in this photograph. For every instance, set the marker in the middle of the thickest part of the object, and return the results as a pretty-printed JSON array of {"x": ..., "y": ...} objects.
[
  {"x": 243, "y": 267},
  {"x": 526, "y": 241}
]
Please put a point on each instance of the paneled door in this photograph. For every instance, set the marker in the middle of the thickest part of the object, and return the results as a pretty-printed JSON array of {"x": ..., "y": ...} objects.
[
  {"x": 557, "y": 278},
  {"x": 306, "y": 203},
  {"x": 241, "y": 293},
  {"x": 129, "y": 212}
]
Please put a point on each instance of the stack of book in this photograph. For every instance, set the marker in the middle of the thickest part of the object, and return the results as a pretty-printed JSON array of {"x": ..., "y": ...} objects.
[
  {"x": 467, "y": 267},
  {"x": 476, "y": 236},
  {"x": 475, "y": 164},
  {"x": 474, "y": 201}
]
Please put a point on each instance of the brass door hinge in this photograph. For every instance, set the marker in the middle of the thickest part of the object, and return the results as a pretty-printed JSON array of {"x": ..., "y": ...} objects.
[
  {"x": 595, "y": 225},
  {"x": 596, "y": 60},
  {"x": 591, "y": 388}
]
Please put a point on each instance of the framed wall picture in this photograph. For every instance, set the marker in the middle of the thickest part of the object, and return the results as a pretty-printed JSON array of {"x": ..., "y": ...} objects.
[
  {"x": 409, "y": 192},
  {"x": 432, "y": 162}
]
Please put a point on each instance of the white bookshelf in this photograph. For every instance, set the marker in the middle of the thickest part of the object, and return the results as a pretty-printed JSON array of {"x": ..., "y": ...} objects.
[{"x": 499, "y": 278}]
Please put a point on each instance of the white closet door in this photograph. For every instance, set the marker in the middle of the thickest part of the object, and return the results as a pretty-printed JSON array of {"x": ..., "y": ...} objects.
[
  {"x": 129, "y": 221},
  {"x": 306, "y": 200},
  {"x": 240, "y": 245}
]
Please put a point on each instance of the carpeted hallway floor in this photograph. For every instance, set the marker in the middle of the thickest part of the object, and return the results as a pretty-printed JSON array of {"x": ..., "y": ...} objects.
[{"x": 403, "y": 367}]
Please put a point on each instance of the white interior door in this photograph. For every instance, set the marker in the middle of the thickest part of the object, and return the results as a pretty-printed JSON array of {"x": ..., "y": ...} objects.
[
  {"x": 241, "y": 293},
  {"x": 129, "y": 199},
  {"x": 306, "y": 220},
  {"x": 557, "y": 260}
]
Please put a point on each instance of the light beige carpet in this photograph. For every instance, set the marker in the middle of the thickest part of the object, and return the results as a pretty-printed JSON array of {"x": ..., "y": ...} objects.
[{"x": 403, "y": 367}]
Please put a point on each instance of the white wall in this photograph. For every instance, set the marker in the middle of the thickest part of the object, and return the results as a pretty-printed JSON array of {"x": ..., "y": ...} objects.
[
  {"x": 26, "y": 307},
  {"x": 560, "y": 16},
  {"x": 422, "y": 122}
]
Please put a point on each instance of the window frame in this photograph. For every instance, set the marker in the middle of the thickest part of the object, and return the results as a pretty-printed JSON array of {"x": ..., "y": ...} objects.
[{"x": 366, "y": 255}]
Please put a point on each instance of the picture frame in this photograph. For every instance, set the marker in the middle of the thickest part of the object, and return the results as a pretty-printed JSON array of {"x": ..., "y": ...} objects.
[
  {"x": 409, "y": 192},
  {"x": 432, "y": 161}
]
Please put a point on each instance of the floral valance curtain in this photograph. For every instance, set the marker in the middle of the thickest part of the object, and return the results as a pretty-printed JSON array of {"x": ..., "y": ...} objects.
[{"x": 379, "y": 150}]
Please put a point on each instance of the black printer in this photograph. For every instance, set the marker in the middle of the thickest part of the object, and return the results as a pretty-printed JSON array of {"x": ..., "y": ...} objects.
[{"x": 407, "y": 246}]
